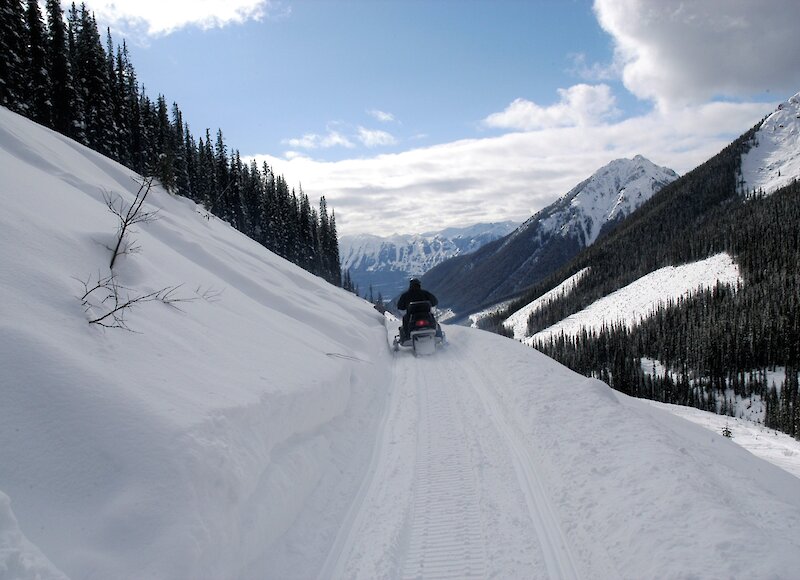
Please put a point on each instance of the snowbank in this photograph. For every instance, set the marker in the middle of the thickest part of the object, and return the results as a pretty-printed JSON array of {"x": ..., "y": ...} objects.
[{"x": 187, "y": 447}]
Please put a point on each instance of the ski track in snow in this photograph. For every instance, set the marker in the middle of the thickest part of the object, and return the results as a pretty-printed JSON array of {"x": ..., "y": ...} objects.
[{"x": 452, "y": 491}]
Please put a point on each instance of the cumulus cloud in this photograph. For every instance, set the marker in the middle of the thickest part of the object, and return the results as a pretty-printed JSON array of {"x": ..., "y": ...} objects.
[
  {"x": 511, "y": 176},
  {"x": 678, "y": 52},
  {"x": 375, "y": 138},
  {"x": 579, "y": 105},
  {"x": 158, "y": 18},
  {"x": 381, "y": 116}
]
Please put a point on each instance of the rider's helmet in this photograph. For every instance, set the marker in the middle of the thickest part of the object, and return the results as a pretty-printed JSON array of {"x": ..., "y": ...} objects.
[{"x": 415, "y": 283}]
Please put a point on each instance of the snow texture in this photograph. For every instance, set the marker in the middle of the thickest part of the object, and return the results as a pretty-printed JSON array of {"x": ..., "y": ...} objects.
[
  {"x": 774, "y": 160},
  {"x": 265, "y": 429}
]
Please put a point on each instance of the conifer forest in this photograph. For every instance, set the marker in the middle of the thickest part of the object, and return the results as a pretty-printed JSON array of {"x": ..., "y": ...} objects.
[{"x": 57, "y": 72}]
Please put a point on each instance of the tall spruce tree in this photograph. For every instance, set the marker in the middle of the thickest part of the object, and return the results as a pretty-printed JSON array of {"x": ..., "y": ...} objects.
[
  {"x": 62, "y": 91},
  {"x": 13, "y": 36},
  {"x": 38, "y": 86}
]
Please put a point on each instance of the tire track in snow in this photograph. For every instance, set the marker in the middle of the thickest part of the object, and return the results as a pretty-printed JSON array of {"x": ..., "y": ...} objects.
[{"x": 445, "y": 536}]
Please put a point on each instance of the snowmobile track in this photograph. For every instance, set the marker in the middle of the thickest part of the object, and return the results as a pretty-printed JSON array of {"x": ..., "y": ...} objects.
[
  {"x": 445, "y": 536},
  {"x": 560, "y": 561}
]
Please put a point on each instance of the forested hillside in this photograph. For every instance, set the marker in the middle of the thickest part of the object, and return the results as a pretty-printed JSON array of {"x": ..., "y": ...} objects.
[
  {"x": 59, "y": 74},
  {"x": 716, "y": 344}
]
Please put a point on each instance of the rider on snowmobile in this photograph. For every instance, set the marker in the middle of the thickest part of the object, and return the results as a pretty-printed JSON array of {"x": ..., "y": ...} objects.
[{"x": 415, "y": 293}]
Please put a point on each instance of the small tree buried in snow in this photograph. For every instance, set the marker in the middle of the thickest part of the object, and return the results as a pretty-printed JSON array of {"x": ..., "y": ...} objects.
[
  {"x": 114, "y": 300},
  {"x": 128, "y": 216},
  {"x": 726, "y": 432},
  {"x": 105, "y": 300}
]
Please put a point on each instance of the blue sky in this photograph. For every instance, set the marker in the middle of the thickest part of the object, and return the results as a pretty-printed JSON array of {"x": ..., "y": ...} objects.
[{"x": 411, "y": 116}]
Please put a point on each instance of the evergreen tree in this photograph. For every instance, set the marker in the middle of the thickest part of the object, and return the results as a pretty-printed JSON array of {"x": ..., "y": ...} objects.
[
  {"x": 191, "y": 150},
  {"x": 90, "y": 68},
  {"x": 122, "y": 106},
  {"x": 37, "y": 69},
  {"x": 221, "y": 178},
  {"x": 62, "y": 91},
  {"x": 180, "y": 155},
  {"x": 13, "y": 36},
  {"x": 164, "y": 165}
]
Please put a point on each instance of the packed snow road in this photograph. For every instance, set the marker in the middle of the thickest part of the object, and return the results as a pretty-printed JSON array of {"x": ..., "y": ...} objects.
[{"x": 452, "y": 490}]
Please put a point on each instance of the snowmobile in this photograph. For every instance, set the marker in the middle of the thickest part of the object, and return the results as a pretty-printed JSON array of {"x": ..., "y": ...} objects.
[{"x": 423, "y": 332}]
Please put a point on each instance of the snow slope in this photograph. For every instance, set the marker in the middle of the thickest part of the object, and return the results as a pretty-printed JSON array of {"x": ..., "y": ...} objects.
[
  {"x": 774, "y": 161},
  {"x": 518, "y": 322},
  {"x": 640, "y": 298},
  {"x": 184, "y": 448},
  {"x": 265, "y": 430}
]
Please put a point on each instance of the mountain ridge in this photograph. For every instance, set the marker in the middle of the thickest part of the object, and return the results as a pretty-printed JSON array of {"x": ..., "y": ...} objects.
[
  {"x": 549, "y": 238},
  {"x": 385, "y": 264}
]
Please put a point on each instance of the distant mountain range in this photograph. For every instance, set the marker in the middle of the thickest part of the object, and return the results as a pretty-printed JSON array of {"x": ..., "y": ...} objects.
[
  {"x": 386, "y": 263},
  {"x": 549, "y": 239}
]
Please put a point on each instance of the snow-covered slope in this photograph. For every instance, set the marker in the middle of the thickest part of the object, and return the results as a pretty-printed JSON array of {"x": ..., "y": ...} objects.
[
  {"x": 774, "y": 160},
  {"x": 185, "y": 448},
  {"x": 265, "y": 430},
  {"x": 386, "y": 263},
  {"x": 518, "y": 322},
  {"x": 549, "y": 239},
  {"x": 640, "y": 298}
]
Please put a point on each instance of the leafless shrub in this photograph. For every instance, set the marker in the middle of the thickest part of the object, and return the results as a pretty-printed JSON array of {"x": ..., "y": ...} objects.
[
  {"x": 114, "y": 301},
  {"x": 208, "y": 294},
  {"x": 128, "y": 215}
]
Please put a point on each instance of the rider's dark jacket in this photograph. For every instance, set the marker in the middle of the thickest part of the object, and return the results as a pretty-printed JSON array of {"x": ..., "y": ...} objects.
[{"x": 415, "y": 295}]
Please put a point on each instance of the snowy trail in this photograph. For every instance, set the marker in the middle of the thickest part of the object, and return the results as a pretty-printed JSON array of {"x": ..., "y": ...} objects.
[
  {"x": 452, "y": 491},
  {"x": 557, "y": 554},
  {"x": 445, "y": 538}
]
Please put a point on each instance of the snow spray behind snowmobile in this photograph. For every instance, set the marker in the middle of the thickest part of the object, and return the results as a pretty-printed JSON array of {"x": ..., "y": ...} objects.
[{"x": 422, "y": 333}]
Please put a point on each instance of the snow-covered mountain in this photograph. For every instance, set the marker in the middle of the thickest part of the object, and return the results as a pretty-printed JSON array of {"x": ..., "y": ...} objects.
[
  {"x": 774, "y": 159},
  {"x": 550, "y": 238},
  {"x": 263, "y": 428},
  {"x": 386, "y": 263},
  {"x": 607, "y": 197}
]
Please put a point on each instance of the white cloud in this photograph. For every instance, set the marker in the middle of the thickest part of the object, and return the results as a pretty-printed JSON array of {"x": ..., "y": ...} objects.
[
  {"x": 381, "y": 116},
  {"x": 375, "y": 138},
  {"x": 316, "y": 141},
  {"x": 678, "y": 52},
  {"x": 158, "y": 18},
  {"x": 580, "y": 105},
  {"x": 593, "y": 71},
  {"x": 509, "y": 176}
]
